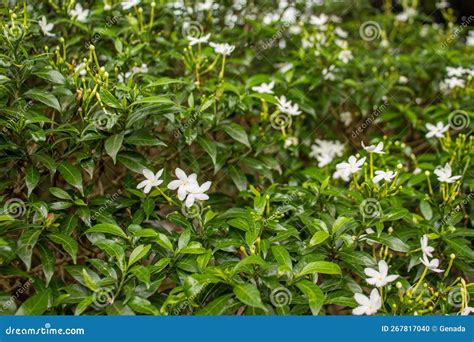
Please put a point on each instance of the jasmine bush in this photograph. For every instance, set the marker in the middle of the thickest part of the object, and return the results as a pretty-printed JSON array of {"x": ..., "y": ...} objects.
[{"x": 235, "y": 157}]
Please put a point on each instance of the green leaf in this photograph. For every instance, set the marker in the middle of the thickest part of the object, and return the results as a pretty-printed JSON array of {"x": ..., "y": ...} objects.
[
  {"x": 113, "y": 144},
  {"x": 60, "y": 193},
  {"x": 217, "y": 307},
  {"x": 90, "y": 283},
  {"x": 83, "y": 305},
  {"x": 339, "y": 223},
  {"x": 48, "y": 262},
  {"x": 238, "y": 177},
  {"x": 394, "y": 243},
  {"x": 250, "y": 260},
  {"x": 45, "y": 97},
  {"x": 69, "y": 244},
  {"x": 26, "y": 243},
  {"x": 72, "y": 175},
  {"x": 109, "y": 99},
  {"x": 35, "y": 305},
  {"x": 210, "y": 148},
  {"x": 107, "y": 228},
  {"x": 154, "y": 99},
  {"x": 249, "y": 295},
  {"x": 237, "y": 132},
  {"x": 138, "y": 253},
  {"x": 314, "y": 295},
  {"x": 318, "y": 237},
  {"x": 426, "y": 210},
  {"x": 164, "y": 242},
  {"x": 47, "y": 161},
  {"x": 283, "y": 258},
  {"x": 325, "y": 267},
  {"x": 51, "y": 75},
  {"x": 32, "y": 178}
]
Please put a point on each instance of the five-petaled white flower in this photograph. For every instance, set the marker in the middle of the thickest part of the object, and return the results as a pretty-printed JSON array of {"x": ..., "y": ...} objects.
[
  {"x": 374, "y": 148},
  {"x": 150, "y": 181},
  {"x": 224, "y": 49},
  {"x": 367, "y": 305},
  {"x": 427, "y": 250},
  {"x": 46, "y": 27},
  {"x": 185, "y": 184},
  {"x": 79, "y": 13},
  {"x": 126, "y": 5},
  {"x": 345, "y": 56},
  {"x": 198, "y": 40},
  {"x": 379, "y": 278},
  {"x": 351, "y": 166},
  {"x": 385, "y": 175},
  {"x": 287, "y": 107},
  {"x": 197, "y": 194},
  {"x": 432, "y": 264},
  {"x": 436, "y": 131},
  {"x": 264, "y": 88},
  {"x": 445, "y": 174}
]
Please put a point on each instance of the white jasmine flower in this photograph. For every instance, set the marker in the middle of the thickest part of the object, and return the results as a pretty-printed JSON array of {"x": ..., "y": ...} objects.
[
  {"x": 386, "y": 176},
  {"x": 185, "y": 184},
  {"x": 367, "y": 305},
  {"x": 79, "y": 13},
  {"x": 291, "y": 141},
  {"x": 198, "y": 40},
  {"x": 223, "y": 49},
  {"x": 328, "y": 73},
  {"x": 284, "y": 68},
  {"x": 346, "y": 118},
  {"x": 345, "y": 169},
  {"x": 205, "y": 6},
  {"x": 427, "y": 250},
  {"x": 455, "y": 72},
  {"x": 417, "y": 171},
  {"x": 436, "y": 131},
  {"x": 406, "y": 15},
  {"x": 342, "y": 174},
  {"x": 403, "y": 79},
  {"x": 445, "y": 174},
  {"x": 81, "y": 68},
  {"x": 107, "y": 7},
  {"x": 150, "y": 181},
  {"x": 341, "y": 33},
  {"x": 319, "y": 21},
  {"x": 470, "y": 39},
  {"x": 345, "y": 56},
  {"x": 442, "y": 4},
  {"x": 126, "y": 5},
  {"x": 374, "y": 149},
  {"x": 467, "y": 311},
  {"x": 45, "y": 27},
  {"x": 431, "y": 265},
  {"x": 326, "y": 150},
  {"x": 343, "y": 44},
  {"x": 197, "y": 194},
  {"x": 379, "y": 277},
  {"x": 264, "y": 88},
  {"x": 287, "y": 106}
]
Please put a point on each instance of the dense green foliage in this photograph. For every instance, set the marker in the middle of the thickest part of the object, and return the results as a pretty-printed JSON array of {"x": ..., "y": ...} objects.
[{"x": 93, "y": 95}]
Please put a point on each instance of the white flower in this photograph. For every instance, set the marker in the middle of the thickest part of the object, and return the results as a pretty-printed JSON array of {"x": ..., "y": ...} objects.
[
  {"x": 185, "y": 184},
  {"x": 45, "y": 27},
  {"x": 341, "y": 33},
  {"x": 341, "y": 174},
  {"x": 451, "y": 83},
  {"x": 126, "y": 5},
  {"x": 81, "y": 68},
  {"x": 205, "y": 6},
  {"x": 436, "y": 131},
  {"x": 328, "y": 73},
  {"x": 373, "y": 148},
  {"x": 386, "y": 176},
  {"x": 198, "y": 194},
  {"x": 326, "y": 150},
  {"x": 455, "y": 72},
  {"x": 319, "y": 21},
  {"x": 284, "y": 68},
  {"x": 79, "y": 13},
  {"x": 223, "y": 49},
  {"x": 291, "y": 141},
  {"x": 150, "y": 181},
  {"x": 264, "y": 88},
  {"x": 467, "y": 311},
  {"x": 403, "y": 79},
  {"x": 351, "y": 166},
  {"x": 198, "y": 40},
  {"x": 431, "y": 265},
  {"x": 287, "y": 106},
  {"x": 343, "y": 44},
  {"x": 379, "y": 277},
  {"x": 346, "y": 118},
  {"x": 427, "y": 250},
  {"x": 445, "y": 174},
  {"x": 407, "y": 14},
  {"x": 368, "y": 306},
  {"x": 442, "y": 4},
  {"x": 345, "y": 56}
]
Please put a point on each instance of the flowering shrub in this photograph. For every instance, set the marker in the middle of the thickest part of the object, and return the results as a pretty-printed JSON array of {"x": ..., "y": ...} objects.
[{"x": 241, "y": 157}]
